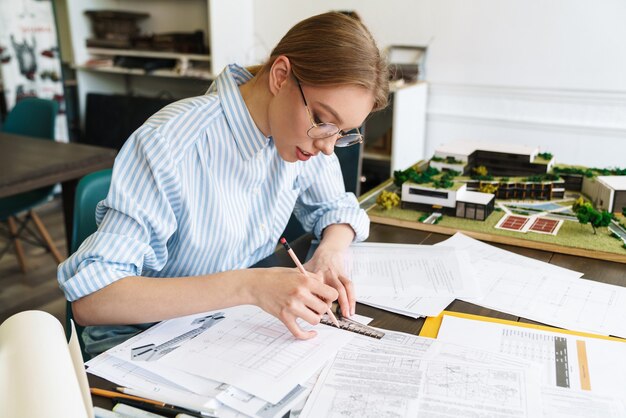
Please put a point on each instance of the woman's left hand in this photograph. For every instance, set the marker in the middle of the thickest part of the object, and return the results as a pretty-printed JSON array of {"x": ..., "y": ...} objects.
[{"x": 329, "y": 263}]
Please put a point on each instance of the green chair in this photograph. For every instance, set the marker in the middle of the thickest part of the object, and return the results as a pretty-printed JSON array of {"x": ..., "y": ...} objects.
[
  {"x": 91, "y": 189},
  {"x": 35, "y": 118}
]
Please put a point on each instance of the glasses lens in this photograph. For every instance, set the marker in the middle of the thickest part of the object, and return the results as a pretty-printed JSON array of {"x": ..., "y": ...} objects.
[
  {"x": 350, "y": 139},
  {"x": 323, "y": 130}
]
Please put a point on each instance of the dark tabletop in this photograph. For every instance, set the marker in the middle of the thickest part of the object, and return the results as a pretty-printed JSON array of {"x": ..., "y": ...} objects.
[{"x": 29, "y": 163}]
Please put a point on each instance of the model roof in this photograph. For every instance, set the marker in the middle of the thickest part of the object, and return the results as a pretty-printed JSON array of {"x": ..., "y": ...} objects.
[
  {"x": 474, "y": 197},
  {"x": 466, "y": 147},
  {"x": 614, "y": 182}
]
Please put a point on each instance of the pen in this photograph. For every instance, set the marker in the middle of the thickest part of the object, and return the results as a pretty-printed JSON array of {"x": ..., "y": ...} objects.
[
  {"x": 294, "y": 257},
  {"x": 110, "y": 394}
]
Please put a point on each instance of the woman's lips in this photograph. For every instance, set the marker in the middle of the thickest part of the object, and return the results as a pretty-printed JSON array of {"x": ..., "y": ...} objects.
[{"x": 302, "y": 155}]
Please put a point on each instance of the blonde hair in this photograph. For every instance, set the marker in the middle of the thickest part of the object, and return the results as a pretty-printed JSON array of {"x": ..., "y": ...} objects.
[{"x": 334, "y": 49}]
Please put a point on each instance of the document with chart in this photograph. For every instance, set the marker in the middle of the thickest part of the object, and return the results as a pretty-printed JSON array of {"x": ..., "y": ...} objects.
[
  {"x": 569, "y": 361},
  {"x": 418, "y": 377},
  {"x": 379, "y": 269}
]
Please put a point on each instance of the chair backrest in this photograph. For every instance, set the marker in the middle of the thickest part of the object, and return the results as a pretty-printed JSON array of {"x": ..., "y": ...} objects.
[
  {"x": 350, "y": 162},
  {"x": 91, "y": 189},
  {"x": 35, "y": 118},
  {"x": 32, "y": 117}
]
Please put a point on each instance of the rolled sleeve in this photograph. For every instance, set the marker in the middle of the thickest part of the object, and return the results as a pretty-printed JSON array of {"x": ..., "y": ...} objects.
[
  {"x": 135, "y": 220},
  {"x": 325, "y": 202}
]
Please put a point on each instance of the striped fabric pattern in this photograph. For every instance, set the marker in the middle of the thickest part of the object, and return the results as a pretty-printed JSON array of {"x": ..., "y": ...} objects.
[{"x": 198, "y": 189}]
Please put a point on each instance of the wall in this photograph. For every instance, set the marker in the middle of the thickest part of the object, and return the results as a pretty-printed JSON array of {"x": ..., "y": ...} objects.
[{"x": 549, "y": 73}]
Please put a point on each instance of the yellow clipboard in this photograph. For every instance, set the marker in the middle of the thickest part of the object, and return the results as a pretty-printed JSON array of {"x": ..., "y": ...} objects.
[{"x": 433, "y": 323}]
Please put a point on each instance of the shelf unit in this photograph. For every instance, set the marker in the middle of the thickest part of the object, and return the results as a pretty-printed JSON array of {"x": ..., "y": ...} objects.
[
  {"x": 229, "y": 35},
  {"x": 186, "y": 67}
]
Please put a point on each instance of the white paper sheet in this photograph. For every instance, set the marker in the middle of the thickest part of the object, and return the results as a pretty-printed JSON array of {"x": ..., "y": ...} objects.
[
  {"x": 543, "y": 292},
  {"x": 40, "y": 376},
  {"x": 247, "y": 348},
  {"x": 562, "y": 355},
  {"x": 563, "y": 403},
  {"x": 379, "y": 269},
  {"x": 404, "y": 375},
  {"x": 479, "y": 390},
  {"x": 225, "y": 401},
  {"x": 480, "y": 251},
  {"x": 414, "y": 307}
]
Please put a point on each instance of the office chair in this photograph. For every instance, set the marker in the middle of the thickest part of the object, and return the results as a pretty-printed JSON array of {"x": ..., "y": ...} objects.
[
  {"x": 31, "y": 117},
  {"x": 91, "y": 189},
  {"x": 350, "y": 162}
]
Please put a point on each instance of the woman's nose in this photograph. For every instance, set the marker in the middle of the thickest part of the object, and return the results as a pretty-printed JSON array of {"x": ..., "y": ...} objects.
[{"x": 326, "y": 145}]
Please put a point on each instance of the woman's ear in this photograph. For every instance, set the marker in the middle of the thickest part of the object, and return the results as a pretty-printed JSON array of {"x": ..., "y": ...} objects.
[{"x": 279, "y": 74}]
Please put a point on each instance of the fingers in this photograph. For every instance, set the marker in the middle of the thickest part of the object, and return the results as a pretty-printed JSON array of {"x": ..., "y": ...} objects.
[
  {"x": 345, "y": 289},
  {"x": 324, "y": 291},
  {"x": 296, "y": 310},
  {"x": 351, "y": 295},
  {"x": 334, "y": 281},
  {"x": 297, "y": 332}
]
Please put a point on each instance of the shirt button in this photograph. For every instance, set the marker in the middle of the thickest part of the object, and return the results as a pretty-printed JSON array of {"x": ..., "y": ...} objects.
[
  {"x": 263, "y": 227},
  {"x": 256, "y": 190}
]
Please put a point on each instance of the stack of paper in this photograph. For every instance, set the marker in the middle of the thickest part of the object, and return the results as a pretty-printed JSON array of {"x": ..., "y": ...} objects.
[
  {"x": 412, "y": 280},
  {"x": 236, "y": 361},
  {"x": 408, "y": 376},
  {"x": 541, "y": 291}
]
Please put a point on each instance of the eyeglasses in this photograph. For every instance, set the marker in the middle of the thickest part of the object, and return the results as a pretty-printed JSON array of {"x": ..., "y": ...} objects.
[{"x": 324, "y": 130}]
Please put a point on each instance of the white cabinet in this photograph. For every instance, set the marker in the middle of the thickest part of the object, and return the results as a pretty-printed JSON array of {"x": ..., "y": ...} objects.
[
  {"x": 409, "y": 125},
  {"x": 228, "y": 31},
  {"x": 395, "y": 137}
]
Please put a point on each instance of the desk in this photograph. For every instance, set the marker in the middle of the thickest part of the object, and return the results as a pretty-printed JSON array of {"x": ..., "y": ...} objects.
[
  {"x": 29, "y": 163},
  {"x": 599, "y": 270}
]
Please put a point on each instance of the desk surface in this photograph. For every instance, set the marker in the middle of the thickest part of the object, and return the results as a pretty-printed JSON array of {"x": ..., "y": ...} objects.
[
  {"x": 599, "y": 270},
  {"x": 29, "y": 163}
]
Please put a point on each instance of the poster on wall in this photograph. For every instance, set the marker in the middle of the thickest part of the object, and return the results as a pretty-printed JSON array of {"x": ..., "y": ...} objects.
[{"x": 29, "y": 55}]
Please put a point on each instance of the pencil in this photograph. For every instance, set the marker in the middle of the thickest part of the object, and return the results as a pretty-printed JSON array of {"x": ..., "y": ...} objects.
[
  {"x": 294, "y": 257},
  {"x": 110, "y": 394}
]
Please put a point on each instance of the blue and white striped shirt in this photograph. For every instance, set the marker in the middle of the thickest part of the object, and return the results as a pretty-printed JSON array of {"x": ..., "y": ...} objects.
[{"x": 199, "y": 189}]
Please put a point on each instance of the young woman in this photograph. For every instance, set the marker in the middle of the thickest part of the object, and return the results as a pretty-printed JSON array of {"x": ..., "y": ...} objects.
[{"x": 205, "y": 187}]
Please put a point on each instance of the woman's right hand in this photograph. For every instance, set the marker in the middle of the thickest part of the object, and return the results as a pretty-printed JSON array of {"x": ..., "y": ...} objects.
[{"x": 288, "y": 294}]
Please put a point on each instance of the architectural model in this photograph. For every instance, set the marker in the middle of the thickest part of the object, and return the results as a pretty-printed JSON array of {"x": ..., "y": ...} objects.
[{"x": 531, "y": 193}]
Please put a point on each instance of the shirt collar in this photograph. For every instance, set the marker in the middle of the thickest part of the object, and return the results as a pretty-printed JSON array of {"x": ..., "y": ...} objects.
[{"x": 248, "y": 137}]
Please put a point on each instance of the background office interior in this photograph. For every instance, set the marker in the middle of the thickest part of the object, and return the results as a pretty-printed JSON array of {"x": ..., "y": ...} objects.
[
  {"x": 551, "y": 74},
  {"x": 547, "y": 73}
]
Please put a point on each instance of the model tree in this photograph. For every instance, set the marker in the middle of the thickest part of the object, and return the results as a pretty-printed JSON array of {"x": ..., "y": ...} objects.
[
  {"x": 488, "y": 188},
  {"x": 481, "y": 170},
  {"x": 388, "y": 200},
  {"x": 587, "y": 214},
  {"x": 481, "y": 173}
]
